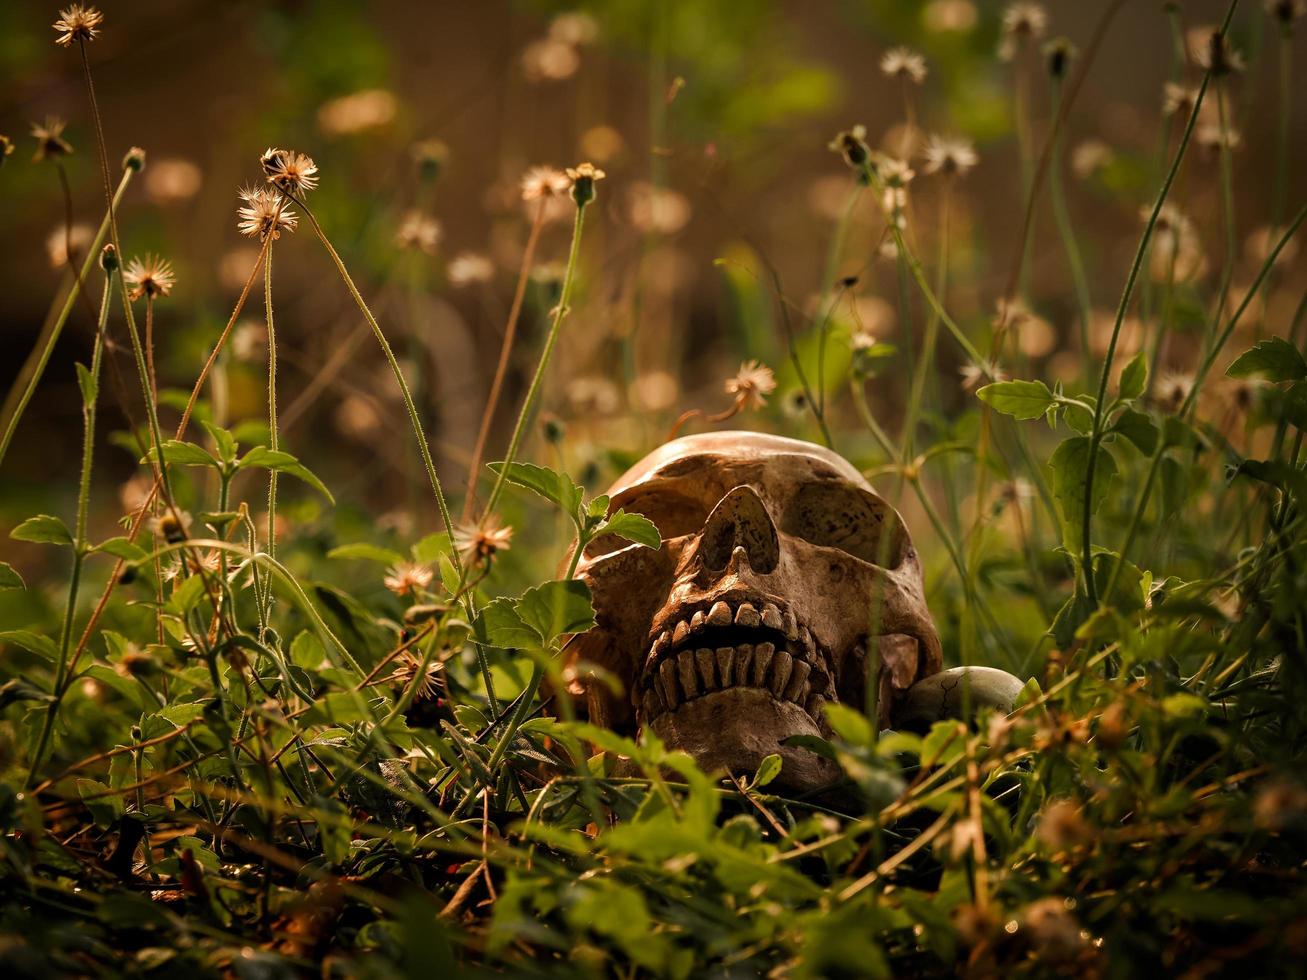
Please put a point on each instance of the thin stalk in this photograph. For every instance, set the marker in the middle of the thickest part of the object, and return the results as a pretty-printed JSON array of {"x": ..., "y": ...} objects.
[
  {"x": 1282, "y": 134},
  {"x": 414, "y": 419},
  {"x": 1062, "y": 216},
  {"x": 33, "y": 370},
  {"x": 1191, "y": 400},
  {"x": 560, "y": 311},
  {"x": 501, "y": 369},
  {"x": 931, "y": 333},
  {"x": 1096, "y": 431},
  {"x": 89, "y": 400},
  {"x": 274, "y": 442}
]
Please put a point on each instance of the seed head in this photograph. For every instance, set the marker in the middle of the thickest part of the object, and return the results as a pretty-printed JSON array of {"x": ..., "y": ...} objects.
[
  {"x": 264, "y": 213},
  {"x": 409, "y": 669},
  {"x": 852, "y": 144},
  {"x": 149, "y": 276},
  {"x": 904, "y": 64},
  {"x": 50, "y": 143},
  {"x": 950, "y": 156},
  {"x": 289, "y": 171},
  {"x": 77, "y": 23},
  {"x": 6, "y": 147},
  {"x": 480, "y": 543},
  {"x": 134, "y": 159},
  {"x": 136, "y": 662},
  {"x": 751, "y": 385},
  {"x": 1212, "y": 51},
  {"x": 468, "y": 268},
  {"x": 584, "y": 176},
  {"x": 1286, "y": 11},
  {"x": 108, "y": 257},
  {"x": 431, "y": 156},
  {"x": 1058, "y": 55},
  {"x": 407, "y": 578},
  {"x": 540, "y": 183},
  {"x": 172, "y": 526},
  {"x": 418, "y": 231},
  {"x": 1022, "y": 22}
]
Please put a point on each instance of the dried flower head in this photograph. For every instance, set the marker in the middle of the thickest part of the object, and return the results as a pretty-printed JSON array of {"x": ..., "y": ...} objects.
[
  {"x": 1286, "y": 11},
  {"x": 1089, "y": 157},
  {"x": 136, "y": 662},
  {"x": 172, "y": 525},
  {"x": 1022, "y": 22},
  {"x": 149, "y": 276},
  {"x": 134, "y": 159},
  {"x": 467, "y": 268},
  {"x": 430, "y": 155},
  {"x": 1212, "y": 52},
  {"x": 77, "y": 23},
  {"x": 584, "y": 176},
  {"x": 950, "y": 156},
  {"x": 852, "y": 145},
  {"x": 409, "y": 670},
  {"x": 975, "y": 375},
  {"x": 6, "y": 147},
  {"x": 751, "y": 385},
  {"x": 292, "y": 172},
  {"x": 479, "y": 543},
  {"x": 1058, "y": 55},
  {"x": 407, "y": 577},
  {"x": 1178, "y": 99},
  {"x": 50, "y": 143},
  {"x": 418, "y": 231},
  {"x": 1173, "y": 390},
  {"x": 904, "y": 64},
  {"x": 1214, "y": 137},
  {"x": 264, "y": 213},
  {"x": 539, "y": 183}
]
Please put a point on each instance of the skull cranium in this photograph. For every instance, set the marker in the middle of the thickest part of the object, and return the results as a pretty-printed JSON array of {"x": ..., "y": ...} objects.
[{"x": 780, "y": 569}]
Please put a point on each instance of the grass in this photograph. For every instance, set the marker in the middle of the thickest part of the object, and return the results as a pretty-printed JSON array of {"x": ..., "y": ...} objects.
[{"x": 250, "y": 731}]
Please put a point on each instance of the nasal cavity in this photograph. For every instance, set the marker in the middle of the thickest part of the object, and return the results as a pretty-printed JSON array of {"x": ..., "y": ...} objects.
[{"x": 740, "y": 520}]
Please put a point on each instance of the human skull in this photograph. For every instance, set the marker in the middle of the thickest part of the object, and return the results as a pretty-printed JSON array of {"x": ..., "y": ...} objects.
[{"x": 780, "y": 569}]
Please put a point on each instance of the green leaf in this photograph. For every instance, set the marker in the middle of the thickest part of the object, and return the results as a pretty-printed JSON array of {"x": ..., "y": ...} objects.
[
  {"x": 557, "y": 488},
  {"x": 121, "y": 547},
  {"x": 499, "y": 625},
  {"x": 1070, "y": 466},
  {"x": 556, "y": 608},
  {"x": 1139, "y": 429},
  {"x": 362, "y": 551},
  {"x": 86, "y": 381},
  {"x": 183, "y": 454},
  {"x": 1275, "y": 472},
  {"x": 223, "y": 439},
  {"x": 42, "y": 646},
  {"x": 768, "y": 769},
  {"x": 1078, "y": 417},
  {"x": 633, "y": 527},
  {"x": 43, "y": 529},
  {"x": 106, "y": 806},
  {"x": 1020, "y": 399},
  {"x": 271, "y": 459},
  {"x": 1134, "y": 376},
  {"x": 10, "y": 579},
  {"x": 432, "y": 547},
  {"x": 1274, "y": 358},
  {"x": 1068, "y": 620}
]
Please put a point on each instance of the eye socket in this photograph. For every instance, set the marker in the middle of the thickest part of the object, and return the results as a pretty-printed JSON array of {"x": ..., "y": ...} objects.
[
  {"x": 848, "y": 518},
  {"x": 674, "y": 514}
]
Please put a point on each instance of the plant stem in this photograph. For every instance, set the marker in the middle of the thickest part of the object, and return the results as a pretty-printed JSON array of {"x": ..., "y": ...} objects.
[
  {"x": 560, "y": 311},
  {"x": 414, "y": 419},
  {"x": 1096, "y": 431},
  {"x": 1063, "y": 218},
  {"x": 89, "y": 400},
  {"x": 33, "y": 370},
  {"x": 930, "y": 336},
  {"x": 273, "y": 441},
  {"x": 501, "y": 369}
]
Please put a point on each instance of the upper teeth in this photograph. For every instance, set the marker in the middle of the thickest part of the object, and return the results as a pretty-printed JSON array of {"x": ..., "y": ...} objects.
[{"x": 677, "y": 671}]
